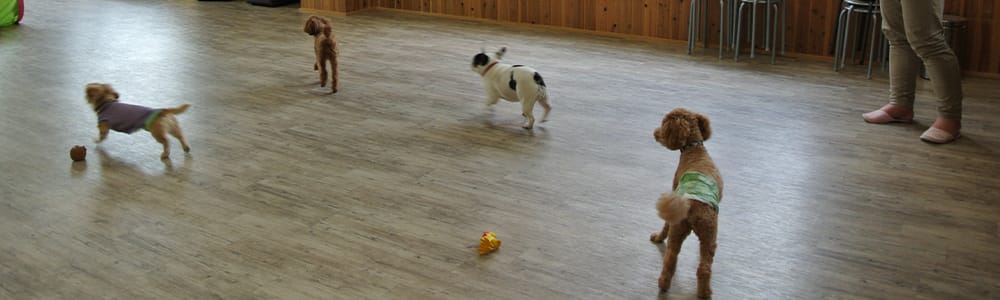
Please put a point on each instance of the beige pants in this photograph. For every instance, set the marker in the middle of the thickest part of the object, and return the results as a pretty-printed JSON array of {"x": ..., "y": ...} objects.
[{"x": 914, "y": 31}]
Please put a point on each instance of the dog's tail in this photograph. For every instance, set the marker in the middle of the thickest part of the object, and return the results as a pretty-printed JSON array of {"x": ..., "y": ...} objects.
[
  {"x": 327, "y": 30},
  {"x": 176, "y": 110},
  {"x": 673, "y": 208}
]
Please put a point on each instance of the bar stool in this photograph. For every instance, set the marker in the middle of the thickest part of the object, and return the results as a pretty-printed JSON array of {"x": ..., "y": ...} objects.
[
  {"x": 699, "y": 18},
  {"x": 862, "y": 7},
  {"x": 699, "y": 10},
  {"x": 954, "y": 26},
  {"x": 770, "y": 27}
]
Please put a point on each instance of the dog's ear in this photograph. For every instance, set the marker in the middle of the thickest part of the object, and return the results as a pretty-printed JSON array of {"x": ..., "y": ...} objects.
[
  {"x": 109, "y": 92},
  {"x": 705, "y": 126},
  {"x": 501, "y": 52},
  {"x": 92, "y": 91}
]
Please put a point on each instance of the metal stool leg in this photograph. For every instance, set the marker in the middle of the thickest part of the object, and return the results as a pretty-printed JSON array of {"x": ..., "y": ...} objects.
[
  {"x": 739, "y": 27},
  {"x": 838, "y": 39},
  {"x": 691, "y": 16},
  {"x": 847, "y": 30},
  {"x": 774, "y": 38},
  {"x": 753, "y": 29},
  {"x": 871, "y": 47},
  {"x": 732, "y": 21},
  {"x": 768, "y": 26}
]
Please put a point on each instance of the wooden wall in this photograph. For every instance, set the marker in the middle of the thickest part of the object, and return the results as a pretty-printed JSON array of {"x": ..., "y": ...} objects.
[
  {"x": 341, "y": 6},
  {"x": 980, "y": 51},
  {"x": 810, "y": 29}
]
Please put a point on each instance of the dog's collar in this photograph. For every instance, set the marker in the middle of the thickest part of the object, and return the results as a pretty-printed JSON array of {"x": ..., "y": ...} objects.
[
  {"x": 103, "y": 106},
  {"x": 692, "y": 145},
  {"x": 488, "y": 67}
]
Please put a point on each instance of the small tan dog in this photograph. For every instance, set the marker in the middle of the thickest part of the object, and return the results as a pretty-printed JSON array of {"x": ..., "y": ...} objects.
[
  {"x": 128, "y": 118},
  {"x": 694, "y": 202},
  {"x": 326, "y": 49}
]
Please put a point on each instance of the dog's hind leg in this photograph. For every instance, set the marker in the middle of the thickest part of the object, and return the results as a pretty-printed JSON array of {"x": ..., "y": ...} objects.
[
  {"x": 175, "y": 130},
  {"x": 159, "y": 133},
  {"x": 706, "y": 232},
  {"x": 528, "y": 98},
  {"x": 676, "y": 238},
  {"x": 529, "y": 119}
]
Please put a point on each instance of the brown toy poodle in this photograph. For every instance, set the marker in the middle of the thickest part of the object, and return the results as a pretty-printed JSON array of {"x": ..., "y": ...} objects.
[
  {"x": 326, "y": 49},
  {"x": 694, "y": 202},
  {"x": 129, "y": 118}
]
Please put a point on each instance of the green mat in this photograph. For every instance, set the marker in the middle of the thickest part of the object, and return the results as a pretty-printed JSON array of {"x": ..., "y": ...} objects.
[{"x": 11, "y": 11}]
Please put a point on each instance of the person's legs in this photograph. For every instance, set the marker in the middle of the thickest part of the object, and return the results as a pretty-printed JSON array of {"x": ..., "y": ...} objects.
[
  {"x": 904, "y": 65},
  {"x": 926, "y": 35}
]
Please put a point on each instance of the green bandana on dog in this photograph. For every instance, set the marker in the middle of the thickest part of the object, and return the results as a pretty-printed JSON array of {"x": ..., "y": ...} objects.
[{"x": 698, "y": 186}]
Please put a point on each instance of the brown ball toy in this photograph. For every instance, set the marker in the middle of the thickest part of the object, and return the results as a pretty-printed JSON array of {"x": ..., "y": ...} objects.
[{"x": 78, "y": 153}]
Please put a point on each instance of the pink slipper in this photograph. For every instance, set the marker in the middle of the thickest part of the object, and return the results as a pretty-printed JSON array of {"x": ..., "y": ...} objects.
[
  {"x": 938, "y": 136},
  {"x": 882, "y": 117}
]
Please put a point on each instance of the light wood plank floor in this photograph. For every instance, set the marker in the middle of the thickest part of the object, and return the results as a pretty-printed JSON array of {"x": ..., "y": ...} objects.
[{"x": 380, "y": 191}]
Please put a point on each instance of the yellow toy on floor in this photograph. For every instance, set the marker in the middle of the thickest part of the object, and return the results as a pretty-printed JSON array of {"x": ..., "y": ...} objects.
[{"x": 488, "y": 243}]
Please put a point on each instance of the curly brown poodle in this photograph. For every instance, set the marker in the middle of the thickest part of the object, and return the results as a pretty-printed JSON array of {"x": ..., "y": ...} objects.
[
  {"x": 693, "y": 203},
  {"x": 326, "y": 50}
]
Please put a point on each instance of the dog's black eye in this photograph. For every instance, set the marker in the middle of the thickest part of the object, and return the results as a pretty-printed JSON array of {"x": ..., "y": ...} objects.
[{"x": 480, "y": 60}]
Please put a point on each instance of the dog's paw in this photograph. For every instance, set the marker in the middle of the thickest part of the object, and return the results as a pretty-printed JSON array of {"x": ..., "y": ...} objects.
[
  {"x": 164, "y": 156},
  {"x": 707, "y": 294},
  {"x": 655, "y": 237},
  {"x": 527, "y": 127},
  {"x": 187, "y": 149},
  {"x": 664, "y": 284},
  {"x": 333, "y": 91}
]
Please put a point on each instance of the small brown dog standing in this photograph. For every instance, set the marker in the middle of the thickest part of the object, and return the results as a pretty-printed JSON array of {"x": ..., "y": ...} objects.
[
  {"x": 693, "y": 203},
  {"x": 128, "y": 118},
  {"x": 326, "y": 49}
]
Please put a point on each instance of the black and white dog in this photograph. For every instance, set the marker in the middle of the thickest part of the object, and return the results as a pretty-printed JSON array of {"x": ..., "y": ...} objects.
[{"x": 514, "y": 83}]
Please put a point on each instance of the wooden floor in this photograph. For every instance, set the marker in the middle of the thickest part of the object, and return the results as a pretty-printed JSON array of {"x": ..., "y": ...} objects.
[{"x": 382, "y": 190}]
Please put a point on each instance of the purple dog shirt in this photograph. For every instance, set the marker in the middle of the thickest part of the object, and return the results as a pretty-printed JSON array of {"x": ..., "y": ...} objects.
[{"x": 126, "y": 118}]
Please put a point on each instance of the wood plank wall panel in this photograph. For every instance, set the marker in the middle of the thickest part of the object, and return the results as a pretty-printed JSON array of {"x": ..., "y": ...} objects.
[
  {"x": 530, "y": 10},
  {"x": 489, "y": 9},
  {"x": 343, "y": 6},
  {"x": 356, "y": 5},
  {"x": 980, "y": 49},
  {"x": 810, "y": 27},
  {"x": 319, "y": 5}
]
